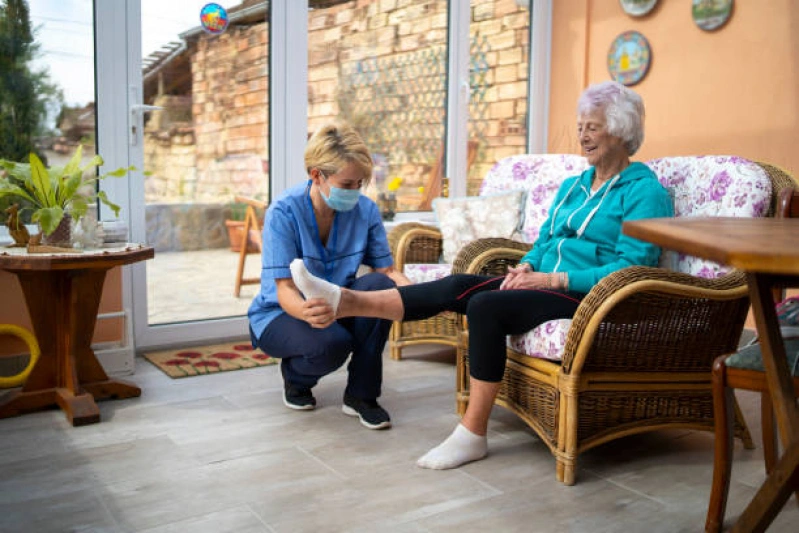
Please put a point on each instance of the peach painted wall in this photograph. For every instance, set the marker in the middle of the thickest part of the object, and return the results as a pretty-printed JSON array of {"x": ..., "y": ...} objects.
[{"x": 731, "y": 91}]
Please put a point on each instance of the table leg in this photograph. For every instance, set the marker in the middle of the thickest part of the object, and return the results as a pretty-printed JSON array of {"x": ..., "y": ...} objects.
[
  {"x": 63, "y": 307},
  {"x": 779, "y": 484},
  {"x": 772, "y": 495}
]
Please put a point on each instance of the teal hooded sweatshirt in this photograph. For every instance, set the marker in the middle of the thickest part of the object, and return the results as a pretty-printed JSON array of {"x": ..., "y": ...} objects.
[{"x": 582, "y": 235}]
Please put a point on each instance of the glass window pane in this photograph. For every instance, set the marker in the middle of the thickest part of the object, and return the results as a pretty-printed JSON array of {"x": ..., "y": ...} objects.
[
  {"x": 207, "y": 145},
  {"x": 498, "y": 68},
  {"x": 46, "y": 81},
  {"x": 382, "y": 66}
]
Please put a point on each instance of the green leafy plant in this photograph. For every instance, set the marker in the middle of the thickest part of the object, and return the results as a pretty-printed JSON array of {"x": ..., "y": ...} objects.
[{"x": 56, "y": 190}]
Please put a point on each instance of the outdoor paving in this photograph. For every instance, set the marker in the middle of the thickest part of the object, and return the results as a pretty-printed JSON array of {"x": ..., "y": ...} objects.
[{"x": 195, "y": 285}]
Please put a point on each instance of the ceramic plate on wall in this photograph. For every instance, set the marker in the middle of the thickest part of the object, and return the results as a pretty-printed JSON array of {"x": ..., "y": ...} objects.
[
  {"x": 711, "y": 14},
  {"x": 637, "y": 8},
  {"x": 629, "y": 58}
]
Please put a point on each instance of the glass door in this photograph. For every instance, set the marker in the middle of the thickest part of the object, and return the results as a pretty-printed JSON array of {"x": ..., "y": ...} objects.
[{"x": 199, "y": 130}]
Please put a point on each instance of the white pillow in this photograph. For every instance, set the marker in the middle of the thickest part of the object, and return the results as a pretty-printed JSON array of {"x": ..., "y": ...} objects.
[{"x": 463, "y": 220}]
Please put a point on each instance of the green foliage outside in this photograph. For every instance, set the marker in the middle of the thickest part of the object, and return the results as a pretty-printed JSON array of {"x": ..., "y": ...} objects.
[{"x": 25, "y": 93}]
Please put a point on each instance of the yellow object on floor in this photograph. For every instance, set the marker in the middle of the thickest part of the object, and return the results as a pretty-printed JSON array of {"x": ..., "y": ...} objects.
[{"x": 17, "y": 331}]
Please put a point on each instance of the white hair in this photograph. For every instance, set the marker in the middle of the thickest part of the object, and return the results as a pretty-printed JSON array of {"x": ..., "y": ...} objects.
[{"x": 623, "y": 109}]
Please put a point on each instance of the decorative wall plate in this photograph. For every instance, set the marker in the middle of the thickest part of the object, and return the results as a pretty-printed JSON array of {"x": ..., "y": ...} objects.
[
  {"x": 629, "y": 58},
  {"x": 711, "y": 14},
  {"x": 214, "y": 18},
  {"x": 637, "y": 8}
]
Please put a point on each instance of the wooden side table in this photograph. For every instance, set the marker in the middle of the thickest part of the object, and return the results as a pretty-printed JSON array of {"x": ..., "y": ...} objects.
[
  {"x": 767, "y": 249},
  {"x": 62, "y": 292}
]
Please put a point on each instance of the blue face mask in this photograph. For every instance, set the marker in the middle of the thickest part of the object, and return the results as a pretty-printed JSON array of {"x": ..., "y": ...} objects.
[{"x": 341, "y": 199}]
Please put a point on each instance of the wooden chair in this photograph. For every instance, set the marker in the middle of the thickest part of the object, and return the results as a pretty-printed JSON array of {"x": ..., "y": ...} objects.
[
  {"x": 435, "y": 180},
  {"x": 638, "y": 353},
  {"x": 744, "y": 370},
  {"x": 253, "y": 226}
]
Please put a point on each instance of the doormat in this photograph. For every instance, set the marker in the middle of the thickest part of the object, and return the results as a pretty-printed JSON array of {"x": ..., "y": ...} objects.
[{"x": 202, "y": 360}]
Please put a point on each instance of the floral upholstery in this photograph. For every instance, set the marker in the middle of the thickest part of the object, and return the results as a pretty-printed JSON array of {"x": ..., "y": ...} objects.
[
  {"x": 421, "y": 272},
  {"x": 700, "y": 186},
  {"x": 466, "y": 219},
  {"x": 711, "y": 186},
  {"x": 540, "y": 176}
]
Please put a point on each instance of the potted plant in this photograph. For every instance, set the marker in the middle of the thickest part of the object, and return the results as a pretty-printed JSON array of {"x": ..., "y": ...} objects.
[
  {"x": 234, "y": 221},
  {"x": 59, "y": 195}
]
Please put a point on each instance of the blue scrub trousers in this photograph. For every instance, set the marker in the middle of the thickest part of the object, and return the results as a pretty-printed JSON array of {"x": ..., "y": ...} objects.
[{"x": 309, "y": 353}]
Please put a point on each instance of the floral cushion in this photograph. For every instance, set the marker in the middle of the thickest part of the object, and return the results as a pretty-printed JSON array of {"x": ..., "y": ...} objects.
[
  {"x": 711, "y": 186},
  {"x": 540, "y": 175},
  {"x": 700, "y": 186},
  {"x": 421, "y": 272},
  {"x": 544, "y": 342},
  {"x": 463, "y": 220}
]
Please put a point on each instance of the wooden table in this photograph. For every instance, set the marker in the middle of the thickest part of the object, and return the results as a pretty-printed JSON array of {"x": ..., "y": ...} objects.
[
  {"x": 63, "y": 295},
  {"x": 767, "y": 249}
]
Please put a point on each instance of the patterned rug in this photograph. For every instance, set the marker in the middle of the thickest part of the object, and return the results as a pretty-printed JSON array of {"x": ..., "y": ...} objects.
[{"x": 202, "y": 360}]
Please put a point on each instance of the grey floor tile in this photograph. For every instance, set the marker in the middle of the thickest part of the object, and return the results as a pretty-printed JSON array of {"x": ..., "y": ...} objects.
[
  {"x": 221, "y": 453},
  {"x": 239, "y": 519}
]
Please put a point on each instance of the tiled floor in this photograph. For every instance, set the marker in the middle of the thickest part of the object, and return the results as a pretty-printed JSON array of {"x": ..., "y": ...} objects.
[{"x": 222, "y": 454}]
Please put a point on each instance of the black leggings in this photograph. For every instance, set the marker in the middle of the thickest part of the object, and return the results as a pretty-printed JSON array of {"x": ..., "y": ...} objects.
[{"x": 493, "y": 314}]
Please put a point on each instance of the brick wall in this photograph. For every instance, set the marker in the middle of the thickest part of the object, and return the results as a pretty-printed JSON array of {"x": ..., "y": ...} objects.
[{"x": 229, "y": 106}]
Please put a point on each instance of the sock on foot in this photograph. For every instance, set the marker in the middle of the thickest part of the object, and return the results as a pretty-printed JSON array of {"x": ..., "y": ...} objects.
[
  {"x": 461, "y": 447},
  {"x": 314, "y": 287}
]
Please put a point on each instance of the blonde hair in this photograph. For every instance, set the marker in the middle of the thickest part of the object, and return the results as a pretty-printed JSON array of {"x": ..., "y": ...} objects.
[{"x": 335, "y": 145}]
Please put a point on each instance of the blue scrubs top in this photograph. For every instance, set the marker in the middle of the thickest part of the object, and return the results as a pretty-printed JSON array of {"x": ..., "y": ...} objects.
[{"x": 290, "y": 231}]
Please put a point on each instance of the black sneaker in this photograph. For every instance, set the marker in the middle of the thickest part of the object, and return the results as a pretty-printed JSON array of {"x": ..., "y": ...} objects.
[
  {"x": 295, "y": 396},
  {"x": 369, "y": 411}
]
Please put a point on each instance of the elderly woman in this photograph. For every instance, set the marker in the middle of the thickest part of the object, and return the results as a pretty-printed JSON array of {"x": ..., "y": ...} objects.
[{"x": 579, "y": 244}]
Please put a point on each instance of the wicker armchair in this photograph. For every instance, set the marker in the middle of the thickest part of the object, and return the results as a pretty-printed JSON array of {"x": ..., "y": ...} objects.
[
  {"x": 418, "y": 248},
  {"x": 637, "y": 355}
]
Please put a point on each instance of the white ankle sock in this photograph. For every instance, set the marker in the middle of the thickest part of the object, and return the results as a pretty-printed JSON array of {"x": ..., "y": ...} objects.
[
  {"x": 461, "y": 447},
  {"x": 314, "y": 287}
]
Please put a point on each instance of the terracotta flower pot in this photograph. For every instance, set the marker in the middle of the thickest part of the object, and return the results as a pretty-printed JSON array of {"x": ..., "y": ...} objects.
[{"x": 235, "y": 231}]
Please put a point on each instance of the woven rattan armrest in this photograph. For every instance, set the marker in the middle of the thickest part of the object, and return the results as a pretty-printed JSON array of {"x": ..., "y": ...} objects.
[
  {"x": 490, "y": 256},
  {"x": 412, "y": 242},
  {"x": 640, "y": 309}
]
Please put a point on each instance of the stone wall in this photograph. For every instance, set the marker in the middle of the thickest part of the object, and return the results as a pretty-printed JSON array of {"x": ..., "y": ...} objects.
[{"x": 224, "y": 151}]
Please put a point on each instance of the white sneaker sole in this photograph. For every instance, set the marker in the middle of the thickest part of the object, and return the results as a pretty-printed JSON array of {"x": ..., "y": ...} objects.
[
  {"x": 309, "y": 407},
  {"x": 352, "y": 412}
]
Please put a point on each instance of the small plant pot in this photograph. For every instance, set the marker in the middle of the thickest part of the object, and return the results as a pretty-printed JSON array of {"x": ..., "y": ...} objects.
[
  {"x": 235, "y": 232},
  {"x": 62, "y": 236}
]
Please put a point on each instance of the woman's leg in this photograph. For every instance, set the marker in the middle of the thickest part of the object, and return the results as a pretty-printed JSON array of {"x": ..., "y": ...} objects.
[
  {"x": 411, "y": 302},
  {"x": 492, "y": 316},
  {"x": 369, "y": 335},
  {"x": 307, "y": 353}
]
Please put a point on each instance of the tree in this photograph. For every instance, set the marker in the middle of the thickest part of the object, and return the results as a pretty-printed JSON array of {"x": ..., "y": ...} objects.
[{"x": 25, "y": 92}]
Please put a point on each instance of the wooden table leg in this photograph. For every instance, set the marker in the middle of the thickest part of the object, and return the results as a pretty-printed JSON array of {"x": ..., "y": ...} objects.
[
  {"x": 784, "y": 479},
  {"x": 63, "y": 306},
  {"x": 772, "y": 495}
]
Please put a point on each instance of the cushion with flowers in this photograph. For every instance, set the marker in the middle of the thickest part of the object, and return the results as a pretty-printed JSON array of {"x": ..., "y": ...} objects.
[
  {"x": 540, "y": 175},
  {"x": 711, "y": 186},
  {"x": 699, "y": 186},
  {"x": 421, "y": 272},
  {"x": 466, "y": 219}
]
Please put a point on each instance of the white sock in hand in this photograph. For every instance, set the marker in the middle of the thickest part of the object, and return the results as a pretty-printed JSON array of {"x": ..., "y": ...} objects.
[
  {"x": 314, "y": 287},
  {"x": 461, "y": 447}
]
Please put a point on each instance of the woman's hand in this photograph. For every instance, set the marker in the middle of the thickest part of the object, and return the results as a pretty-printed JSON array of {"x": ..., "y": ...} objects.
[
  {"x": 526, "y": 279},
  {"x": 514, "y": 273},
  {"x": 318, "y": 313}
]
